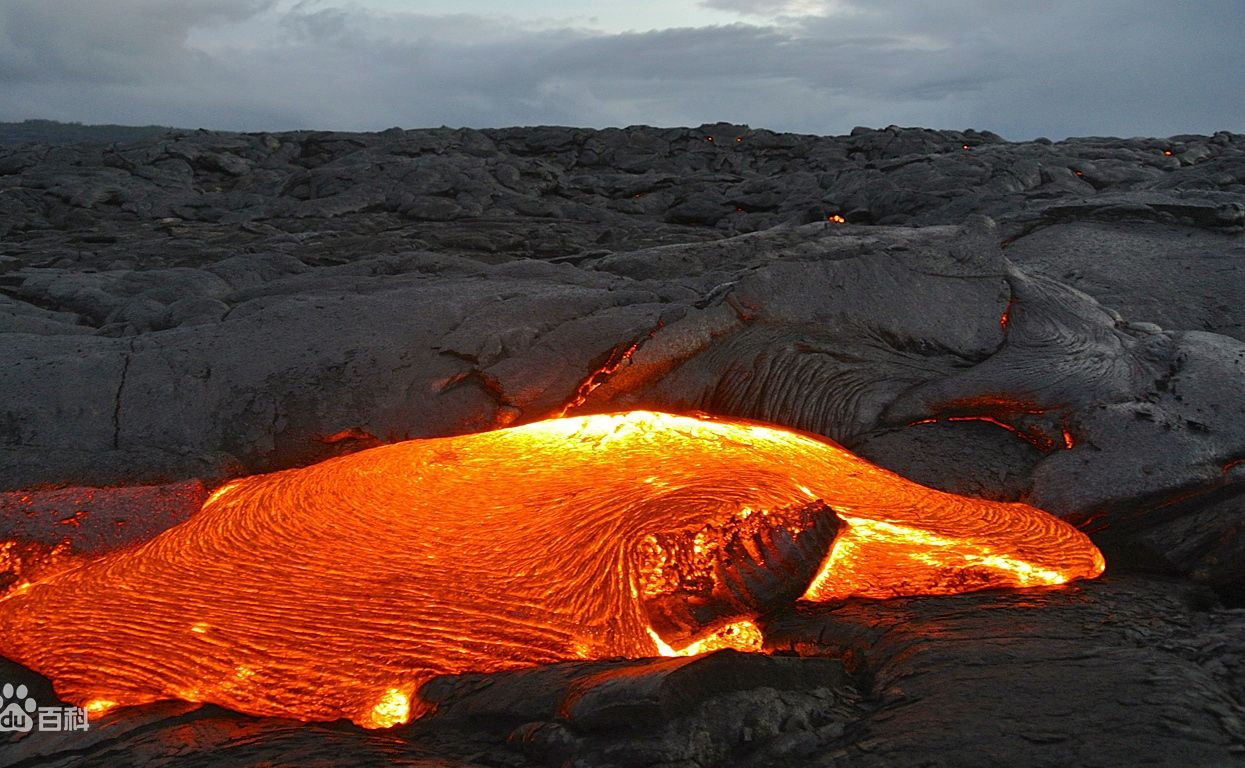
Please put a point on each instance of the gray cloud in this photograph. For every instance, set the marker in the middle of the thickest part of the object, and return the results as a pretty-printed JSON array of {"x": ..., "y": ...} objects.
[
  {"x": 777, "y": 9},
  {"x": 818, "y": 66},
  {"x": 57, "y": 41}
]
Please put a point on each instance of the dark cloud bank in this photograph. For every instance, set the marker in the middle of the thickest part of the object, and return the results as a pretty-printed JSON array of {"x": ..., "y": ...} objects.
[{"x": 1024, "y": 70}]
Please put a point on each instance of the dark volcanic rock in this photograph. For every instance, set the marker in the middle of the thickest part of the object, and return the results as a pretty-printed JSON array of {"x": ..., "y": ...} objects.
[
  {"x": 1116, "y": 672},
  {"x": 1148, "y": 269},
  {"x": 1058, "y": 323}
]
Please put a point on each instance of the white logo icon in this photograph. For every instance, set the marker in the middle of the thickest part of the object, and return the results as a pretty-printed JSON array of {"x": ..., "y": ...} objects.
[
  {"x": 15, "y": 716},
  {"x": 18, "y": 711}
]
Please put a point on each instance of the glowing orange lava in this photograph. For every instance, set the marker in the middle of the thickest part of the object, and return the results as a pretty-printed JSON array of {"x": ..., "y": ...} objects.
[{"x": 338, "y": 589}]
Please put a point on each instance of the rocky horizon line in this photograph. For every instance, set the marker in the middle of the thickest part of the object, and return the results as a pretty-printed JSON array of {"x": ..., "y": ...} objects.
[{"x": 156, "y": 129}]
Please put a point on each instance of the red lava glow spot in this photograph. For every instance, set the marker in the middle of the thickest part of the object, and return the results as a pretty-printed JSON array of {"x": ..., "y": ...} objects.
[
  {"x": 337, "y": 589},
  {"x": 1031, "y": 435},
  {"x": 348, "y": 435},
  {"x": 835, "y": 218}
]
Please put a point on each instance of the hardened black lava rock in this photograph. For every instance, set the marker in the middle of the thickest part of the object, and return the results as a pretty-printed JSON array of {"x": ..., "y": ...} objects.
[{"x": 1059, "y": 323}]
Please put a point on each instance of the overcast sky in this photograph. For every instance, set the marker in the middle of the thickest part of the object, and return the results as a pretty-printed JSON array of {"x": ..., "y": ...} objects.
[{"x": 1022, "y": 69}]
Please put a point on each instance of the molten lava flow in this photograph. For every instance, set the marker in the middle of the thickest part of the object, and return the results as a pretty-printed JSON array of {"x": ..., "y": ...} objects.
[{"x": 338, "y": 589}]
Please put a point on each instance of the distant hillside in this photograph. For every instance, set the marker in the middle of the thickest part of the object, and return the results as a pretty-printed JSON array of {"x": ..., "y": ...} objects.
[{"x": 52, "y": 132}]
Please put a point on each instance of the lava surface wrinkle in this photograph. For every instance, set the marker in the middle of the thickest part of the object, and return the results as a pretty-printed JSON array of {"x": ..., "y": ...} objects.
[{"x": 338, "y": 589}]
